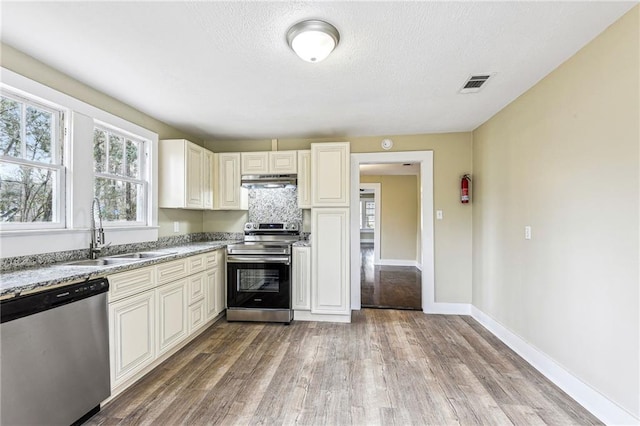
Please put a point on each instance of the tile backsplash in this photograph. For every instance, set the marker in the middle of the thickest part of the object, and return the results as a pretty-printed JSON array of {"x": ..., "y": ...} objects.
[{"x": 274, "y": 205}]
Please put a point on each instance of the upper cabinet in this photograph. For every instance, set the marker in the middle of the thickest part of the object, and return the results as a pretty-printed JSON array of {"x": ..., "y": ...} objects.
[
  {"x": 330, "y": 177},
  {"x": 304, "y": 179},
  {"x": 184, "y": 175},
  {"x": 229, "y": 195},
  {"x": 269, "y": 162}
]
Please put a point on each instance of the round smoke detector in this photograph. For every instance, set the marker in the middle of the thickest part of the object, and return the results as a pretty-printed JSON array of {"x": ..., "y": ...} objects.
[{"x": 386, "y": 144}]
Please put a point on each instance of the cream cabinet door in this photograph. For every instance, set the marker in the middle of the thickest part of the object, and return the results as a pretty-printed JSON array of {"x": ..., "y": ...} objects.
[
  {"x": 283, "y": 162},
  {"x": 196, "y": 316},
  {"x": 171, "y": 318},
  {"x": 210, "y": 294},
  {"x": 208, "y": 181},
  {"x": 301, "y": 294},
  {"x": 231, "y": 196},
  {"x": 221, "y": 283},
  {"x": 304, "y": 179},
  {"x": 194, "y": 184},
  {"x": 255, "y": 163},
  {"x": 330, "y": 289},
  {"x": 131, "y": 336},
  {"x": 330, "y": 173}
]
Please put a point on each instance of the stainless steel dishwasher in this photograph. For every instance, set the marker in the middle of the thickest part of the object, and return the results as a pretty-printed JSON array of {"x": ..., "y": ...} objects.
[{"x": 54, "y": 355}]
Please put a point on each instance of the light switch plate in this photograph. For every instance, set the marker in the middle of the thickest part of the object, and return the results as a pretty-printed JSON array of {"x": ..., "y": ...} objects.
[
  {"x": 527, "y": 232},
  {"x": 176, "y": 226},
  {"x": 439, "y": 214}
]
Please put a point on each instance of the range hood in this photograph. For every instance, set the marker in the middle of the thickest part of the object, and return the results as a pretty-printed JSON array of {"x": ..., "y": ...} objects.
[{"x": 269, "y": 181}]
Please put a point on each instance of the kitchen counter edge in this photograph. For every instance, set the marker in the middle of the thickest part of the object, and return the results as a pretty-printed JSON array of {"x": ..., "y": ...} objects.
[{"x": 17, "y": 283}]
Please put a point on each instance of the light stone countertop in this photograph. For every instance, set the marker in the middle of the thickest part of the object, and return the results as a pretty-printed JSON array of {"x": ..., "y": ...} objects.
[
  {"x": 58, "y": 274},
  {"x": 302, "y": 244}
]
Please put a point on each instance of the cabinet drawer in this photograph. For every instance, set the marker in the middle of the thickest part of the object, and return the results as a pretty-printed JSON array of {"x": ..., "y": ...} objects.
[
  {"x": 195, "y": 290},
  {"x": 171, "y": 271},
  {"x": 196, "y": 264},
  {"x": 211, "y": 260},
  {"x": 130, "y": 282}
]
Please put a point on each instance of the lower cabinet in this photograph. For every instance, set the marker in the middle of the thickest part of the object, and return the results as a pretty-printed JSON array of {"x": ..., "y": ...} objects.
[
  {"x": 172, "y": 314},
  {"x": 132, "y": 336},
  {"x": 301, "y": 282},
  {"x": 175, "y": 300}
]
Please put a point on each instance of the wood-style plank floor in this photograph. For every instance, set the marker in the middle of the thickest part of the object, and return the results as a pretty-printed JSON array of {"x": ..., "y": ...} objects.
[
  {"x": 386, "y": 367},
  {"x": 396, "y": 287}
]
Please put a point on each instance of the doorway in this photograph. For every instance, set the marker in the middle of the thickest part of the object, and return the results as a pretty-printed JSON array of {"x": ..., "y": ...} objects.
[
  {"x": 425, "y": 220},
  {"x": 391, "y": 281}
]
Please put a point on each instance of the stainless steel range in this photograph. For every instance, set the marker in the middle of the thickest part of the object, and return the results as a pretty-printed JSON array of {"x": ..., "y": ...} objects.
[{"x": 259, "y": 273}]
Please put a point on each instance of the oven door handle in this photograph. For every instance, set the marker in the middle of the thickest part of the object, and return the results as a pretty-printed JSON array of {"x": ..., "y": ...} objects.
[{"x": 243, "y": 259}]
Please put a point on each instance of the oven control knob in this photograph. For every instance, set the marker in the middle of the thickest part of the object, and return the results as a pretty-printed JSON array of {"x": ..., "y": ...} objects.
[{"x": 249, "y": 226}]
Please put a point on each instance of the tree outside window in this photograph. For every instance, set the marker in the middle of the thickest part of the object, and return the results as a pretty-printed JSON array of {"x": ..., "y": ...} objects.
[
  {"x": 119, "y": 176},
  {"x": 31, "y": 170}
]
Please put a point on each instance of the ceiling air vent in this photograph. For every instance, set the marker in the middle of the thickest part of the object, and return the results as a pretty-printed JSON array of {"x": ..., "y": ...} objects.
[{"x": 475, "y": 83}]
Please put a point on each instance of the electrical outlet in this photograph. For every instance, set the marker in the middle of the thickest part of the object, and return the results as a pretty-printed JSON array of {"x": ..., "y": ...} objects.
[
  {"x": 439, "y": 214},
  {"x": 176, "y": 226},
  {"x": 527, "y": 232}
]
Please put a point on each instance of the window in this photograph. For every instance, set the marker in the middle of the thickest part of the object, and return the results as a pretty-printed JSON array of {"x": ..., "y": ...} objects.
[
  {"x": 31, "y": 168},
  {"x": 120, "y": 176},
  {"x": 367, "y": 214}
]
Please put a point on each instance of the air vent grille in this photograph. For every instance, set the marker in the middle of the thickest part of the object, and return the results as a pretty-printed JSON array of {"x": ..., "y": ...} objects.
[{"x": 475, "y": 83}]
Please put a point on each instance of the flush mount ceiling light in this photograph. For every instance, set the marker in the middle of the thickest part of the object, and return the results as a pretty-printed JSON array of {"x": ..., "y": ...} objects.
[{"x": 313, "y": 40}]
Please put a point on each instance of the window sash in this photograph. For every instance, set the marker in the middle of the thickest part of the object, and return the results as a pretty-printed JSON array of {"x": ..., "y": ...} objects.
[{"x": 142, "y": 206}]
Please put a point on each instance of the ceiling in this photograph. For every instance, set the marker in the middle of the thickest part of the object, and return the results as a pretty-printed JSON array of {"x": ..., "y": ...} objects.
[{"x": 223, "y": 70}]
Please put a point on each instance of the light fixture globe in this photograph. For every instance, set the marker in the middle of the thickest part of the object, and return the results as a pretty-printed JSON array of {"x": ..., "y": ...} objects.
[{"x": 313, "y": 40}]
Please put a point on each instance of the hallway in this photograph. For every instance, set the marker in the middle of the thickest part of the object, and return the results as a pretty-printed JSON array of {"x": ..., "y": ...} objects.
[{"x": 392, "y": 287}]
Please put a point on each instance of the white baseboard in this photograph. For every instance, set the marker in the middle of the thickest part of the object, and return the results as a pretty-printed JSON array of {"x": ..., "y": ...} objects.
[
  {"x": 600, "y": 406},
  {"x": 399, "y": 262},
  {"x": 447, "y": 308}
]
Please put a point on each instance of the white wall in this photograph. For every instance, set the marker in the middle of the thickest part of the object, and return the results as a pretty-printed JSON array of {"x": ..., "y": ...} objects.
[{"x": 564, "y": 159}]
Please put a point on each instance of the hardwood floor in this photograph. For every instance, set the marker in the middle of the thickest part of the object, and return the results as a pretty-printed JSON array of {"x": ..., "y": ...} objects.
[
  {"x": 386, "y": 367},
  {"x": 396, "y": 287}
]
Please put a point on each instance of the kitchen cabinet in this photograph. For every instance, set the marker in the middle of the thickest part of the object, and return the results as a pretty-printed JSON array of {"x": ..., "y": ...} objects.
[
  {"x": 171, "y": 315},
  {"x": 184, "y": 175},
  {"x": 229, "y": 194},
  {"x": 330, "y": 174},
  {"x": 269, "y": 162},
  {"x": 209, "y": 171},
  {"x": 301, "y": 281},
  {"x": 153, "y": 310},
  {"x": 304, "y": 179},
  {"x": 131, "y": 335},
  {"x": 330, "y": 286}
]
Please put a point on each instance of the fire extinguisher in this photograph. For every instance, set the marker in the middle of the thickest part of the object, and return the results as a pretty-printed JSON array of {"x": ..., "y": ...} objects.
[{"x": 464, "y": 189}]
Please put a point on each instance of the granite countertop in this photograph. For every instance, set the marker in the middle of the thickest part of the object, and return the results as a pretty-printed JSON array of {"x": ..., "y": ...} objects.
[
  {"x": 58, "y": 274},
  {"x": 302, "y": 243}
]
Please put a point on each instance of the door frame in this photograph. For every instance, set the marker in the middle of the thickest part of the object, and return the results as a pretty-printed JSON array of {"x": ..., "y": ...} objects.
[
  {"x": 376, "y": 230},
  {"x": 425, "y": 158}
]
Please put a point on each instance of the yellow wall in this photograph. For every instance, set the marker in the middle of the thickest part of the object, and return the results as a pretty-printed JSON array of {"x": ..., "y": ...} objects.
[
  {"x": 29, "y": 67},
  {"x": 452, "y": 235},
  {"x": 564, "y": 159},
  {"x": 398, "y": 216}
]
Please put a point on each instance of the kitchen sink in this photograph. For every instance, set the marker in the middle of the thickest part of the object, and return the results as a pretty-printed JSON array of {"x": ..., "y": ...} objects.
[
  {"x": 99, "y": 262},
  {"x": 142, "y": 255}
]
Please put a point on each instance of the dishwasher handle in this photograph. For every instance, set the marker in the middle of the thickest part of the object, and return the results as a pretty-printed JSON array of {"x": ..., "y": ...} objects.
[{"x": 22, "y": 306}]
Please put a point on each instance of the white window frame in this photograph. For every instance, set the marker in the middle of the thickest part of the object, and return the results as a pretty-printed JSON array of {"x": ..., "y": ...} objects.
[
  {"x": 57, "y": 161},
  {"x": 143, "y": 156},
  {"x": 80, "y": 118}
]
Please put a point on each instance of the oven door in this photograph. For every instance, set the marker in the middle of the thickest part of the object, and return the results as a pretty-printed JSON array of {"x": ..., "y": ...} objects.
[{"x": 262, "y": 282}]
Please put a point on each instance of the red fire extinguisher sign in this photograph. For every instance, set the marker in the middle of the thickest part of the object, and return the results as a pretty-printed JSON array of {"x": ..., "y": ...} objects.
[{"x": 464, "y": 189}]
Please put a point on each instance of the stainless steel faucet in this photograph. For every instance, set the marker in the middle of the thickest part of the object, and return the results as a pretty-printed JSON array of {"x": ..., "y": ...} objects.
[{"x": 97, "y": 233}]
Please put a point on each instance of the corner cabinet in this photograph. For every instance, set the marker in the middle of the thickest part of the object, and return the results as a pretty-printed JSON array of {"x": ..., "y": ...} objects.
[
  {"x": 229, "y": 195},
  {"x": 330, "y": 285},
  {"x": 304, "y": 179},
  {"x": 330, "y": 174},
  {"x": 184, "y": 175}
]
